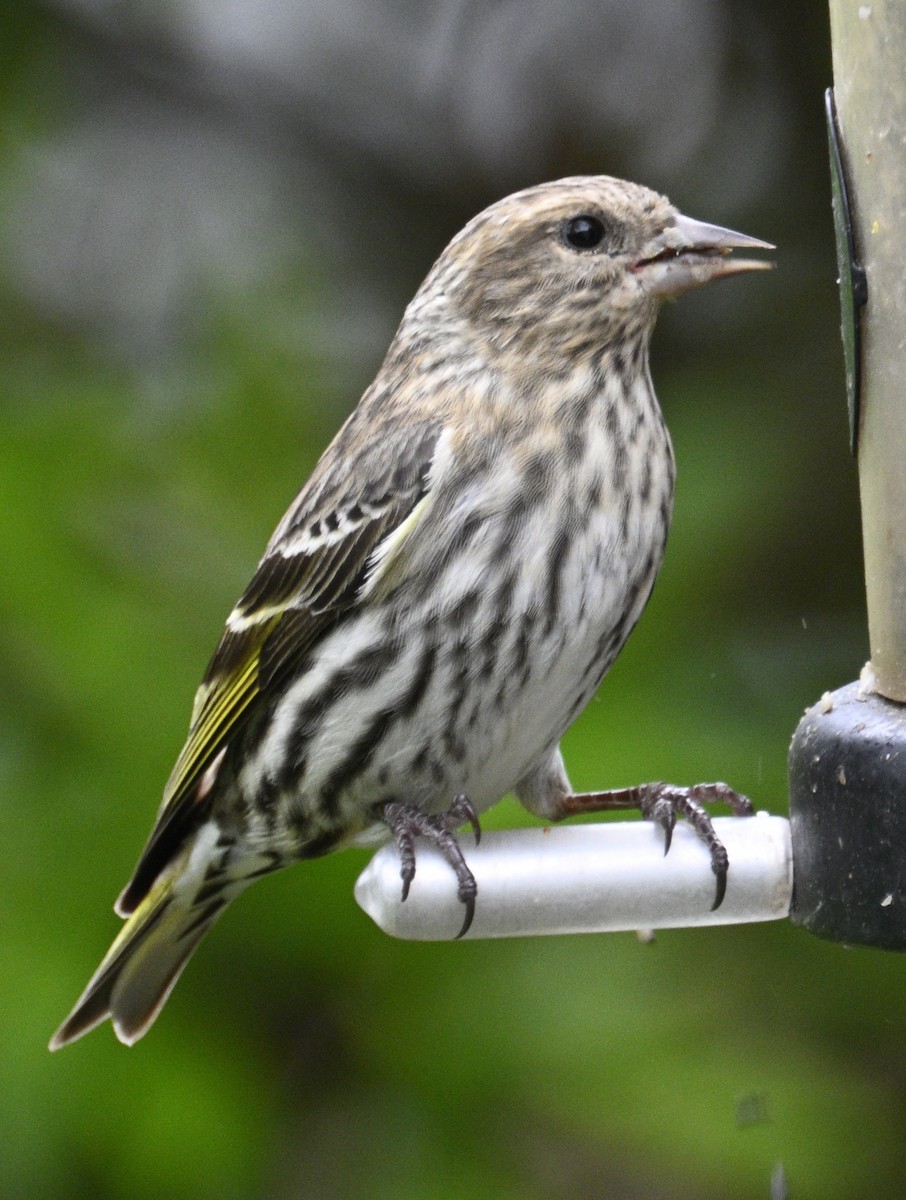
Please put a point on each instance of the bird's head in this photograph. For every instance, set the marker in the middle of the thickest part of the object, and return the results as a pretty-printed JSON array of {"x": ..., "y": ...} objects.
[{"x": 565, "y": 268}]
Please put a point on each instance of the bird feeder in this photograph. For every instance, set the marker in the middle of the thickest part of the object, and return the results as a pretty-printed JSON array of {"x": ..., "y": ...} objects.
[{"x": 848, "y": 756}]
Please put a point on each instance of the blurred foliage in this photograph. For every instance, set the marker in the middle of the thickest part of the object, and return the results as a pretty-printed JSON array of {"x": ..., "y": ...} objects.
[{"x": 304, "y": 1053}]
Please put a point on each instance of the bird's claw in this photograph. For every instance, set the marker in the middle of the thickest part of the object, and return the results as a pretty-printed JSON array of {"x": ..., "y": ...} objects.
[
  {"x": 462, "y": 810},
  {"x": 663, "y": 802},
  {"x": 407, "y": 821},
  {"x": 663, "y": 813}
]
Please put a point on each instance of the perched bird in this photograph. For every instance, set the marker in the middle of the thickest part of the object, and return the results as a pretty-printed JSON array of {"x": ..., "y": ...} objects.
[{"x": 445, "y": 594}]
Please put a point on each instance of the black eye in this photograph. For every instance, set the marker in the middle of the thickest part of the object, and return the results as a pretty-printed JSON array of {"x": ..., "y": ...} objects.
[{"x": 583, "y": 233}]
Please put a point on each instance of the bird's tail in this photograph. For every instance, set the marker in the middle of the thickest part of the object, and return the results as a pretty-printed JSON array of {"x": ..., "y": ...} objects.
[{"x": 139, "y": 970}]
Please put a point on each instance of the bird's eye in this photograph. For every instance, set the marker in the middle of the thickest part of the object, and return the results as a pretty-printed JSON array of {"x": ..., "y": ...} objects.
[{"x": 583, "y": 233}]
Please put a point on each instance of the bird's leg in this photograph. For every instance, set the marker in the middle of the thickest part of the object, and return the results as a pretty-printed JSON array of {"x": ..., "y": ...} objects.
[
  {"x": 407, "y": 822},
  {"x": 663, "y": 802}
]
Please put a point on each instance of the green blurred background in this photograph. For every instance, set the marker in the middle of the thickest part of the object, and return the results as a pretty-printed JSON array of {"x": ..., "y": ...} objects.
[{"x": 212, "y": 216}]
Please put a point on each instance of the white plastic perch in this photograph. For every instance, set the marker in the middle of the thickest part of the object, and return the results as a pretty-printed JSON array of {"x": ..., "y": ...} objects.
[{"x": 586, "y": 879}]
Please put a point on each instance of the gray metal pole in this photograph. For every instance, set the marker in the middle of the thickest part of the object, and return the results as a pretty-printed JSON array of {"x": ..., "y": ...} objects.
[{"x": 869, "y": 50}]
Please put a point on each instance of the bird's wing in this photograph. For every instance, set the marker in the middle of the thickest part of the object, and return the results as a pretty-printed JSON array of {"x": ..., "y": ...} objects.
[{"x": 329, "y": 547}]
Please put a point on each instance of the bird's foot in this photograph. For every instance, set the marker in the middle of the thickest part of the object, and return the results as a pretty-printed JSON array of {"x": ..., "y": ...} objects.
[
  {"x": 407, "y": 822},
  {"x": 663, "y": 803}
]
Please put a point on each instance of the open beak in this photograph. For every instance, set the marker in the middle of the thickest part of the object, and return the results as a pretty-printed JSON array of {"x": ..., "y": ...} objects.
[{"x": 689, "y": 253}]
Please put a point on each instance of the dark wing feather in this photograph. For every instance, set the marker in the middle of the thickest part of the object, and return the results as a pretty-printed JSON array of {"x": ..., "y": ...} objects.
[{"x": 309, "y": 579}]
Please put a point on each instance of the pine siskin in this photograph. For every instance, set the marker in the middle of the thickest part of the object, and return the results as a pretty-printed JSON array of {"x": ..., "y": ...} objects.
[{"x": 448, "y": 589}]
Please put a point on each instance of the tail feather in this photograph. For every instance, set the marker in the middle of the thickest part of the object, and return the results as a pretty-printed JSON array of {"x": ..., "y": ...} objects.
[{"x": 139, "y": 970}]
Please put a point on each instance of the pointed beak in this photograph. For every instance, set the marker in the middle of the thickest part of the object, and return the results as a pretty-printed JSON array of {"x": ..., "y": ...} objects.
[{"x": 689, "y": 253}]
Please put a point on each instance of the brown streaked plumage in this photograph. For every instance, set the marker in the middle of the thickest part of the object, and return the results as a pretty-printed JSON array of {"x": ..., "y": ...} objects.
[{"x": 450, "y": 586}]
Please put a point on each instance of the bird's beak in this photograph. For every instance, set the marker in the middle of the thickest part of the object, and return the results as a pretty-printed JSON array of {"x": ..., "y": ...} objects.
[{"x": 689, "y": 253}]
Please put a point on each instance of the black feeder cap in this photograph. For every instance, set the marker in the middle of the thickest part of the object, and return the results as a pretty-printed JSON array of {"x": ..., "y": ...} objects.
[{"x": 848, "y": 819}]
